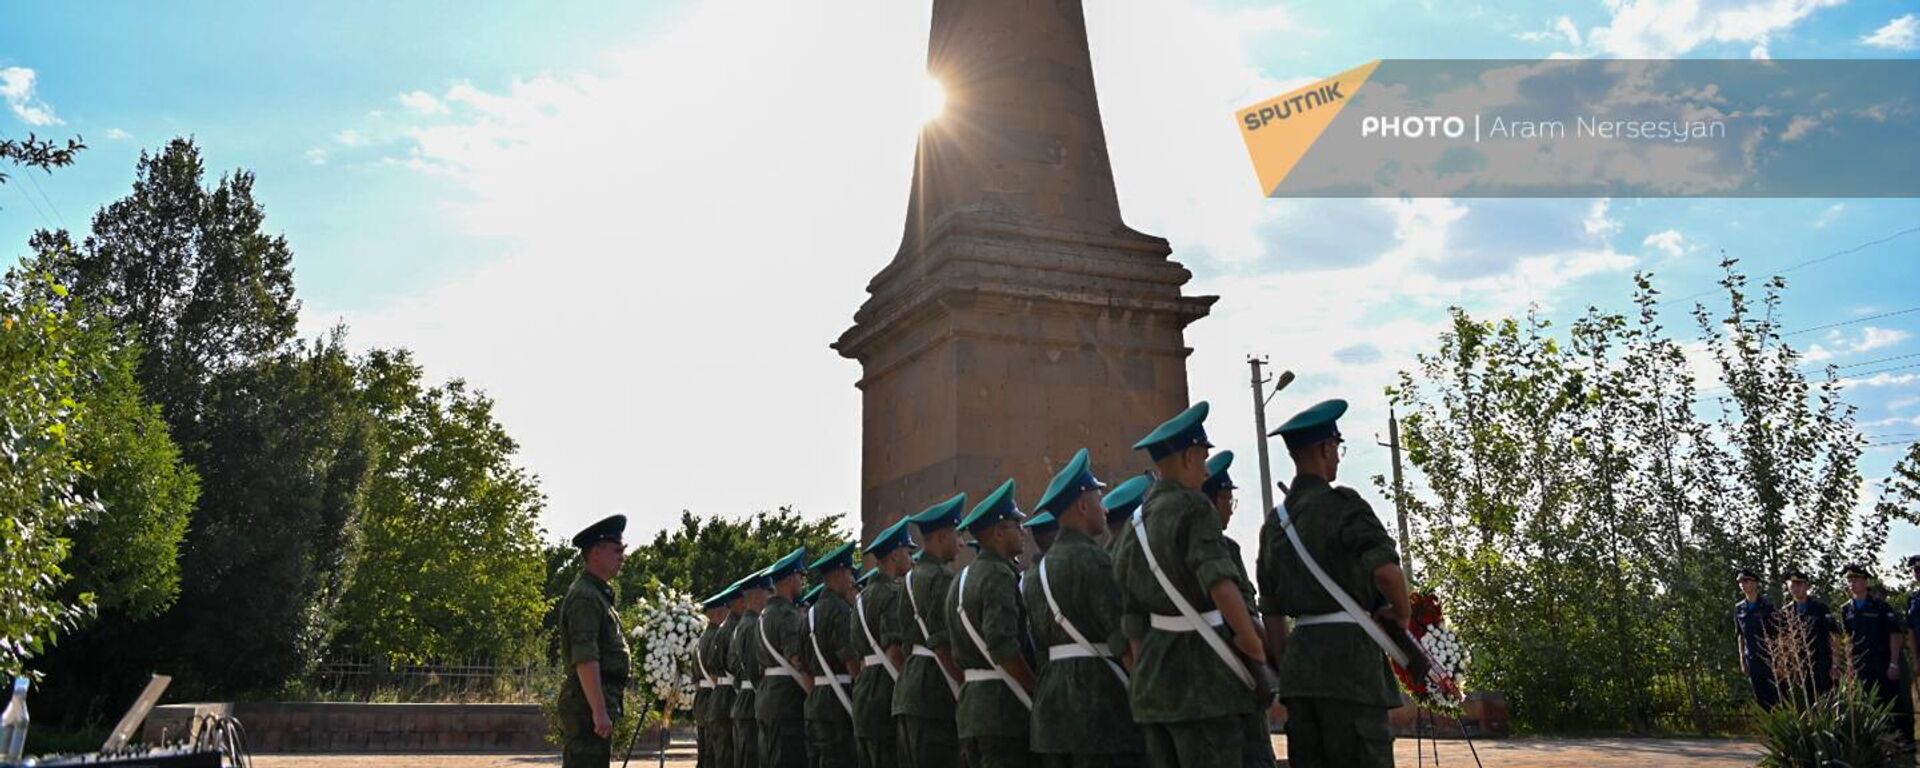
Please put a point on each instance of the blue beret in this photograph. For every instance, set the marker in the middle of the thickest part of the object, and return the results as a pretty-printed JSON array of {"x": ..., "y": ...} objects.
[
  {"x": 1072, "y": 480},
  {"x": 605, "y": 530},
  {"x": 1044, "y": 521},
  {"x": 792, "y": 563},
  {"x": 995, "y": 507},
  {"x": 894, "y": 537},
  {"x": 942, "y": 515},
  {"x": 812, "y": 594},
  {"x": 756, "y": 580},
  {"x": 1312, "y": 425},
  {"x": 1217, "y": 478},
  {"x": 1177, "y": 434},
  {"x": 840, "y": 557},
  {"x": 1126, "y": 497}
]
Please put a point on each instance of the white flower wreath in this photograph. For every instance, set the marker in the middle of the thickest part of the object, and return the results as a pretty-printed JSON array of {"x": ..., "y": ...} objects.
[{"x": 669, "y": 627}]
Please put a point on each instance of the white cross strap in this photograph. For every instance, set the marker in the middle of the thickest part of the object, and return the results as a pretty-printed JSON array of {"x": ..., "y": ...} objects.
[
  {"x": 997, "y": 672},
  {"x": 846, "y": 703},
  {"x": 1198, "y": 624},
  {"x": 1079, "y": 640},
  {"x": 860, "y": 606}
]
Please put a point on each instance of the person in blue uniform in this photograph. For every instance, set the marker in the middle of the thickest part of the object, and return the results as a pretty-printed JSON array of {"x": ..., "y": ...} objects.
[
  {"x": 1875, "y": 631},
  {"x": 1753, "y": 619},
  {"x": 1819, "y": 626}
]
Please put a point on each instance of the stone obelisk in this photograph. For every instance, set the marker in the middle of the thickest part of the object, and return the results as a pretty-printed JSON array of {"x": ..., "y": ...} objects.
[{"x": 1021, "y": 319}]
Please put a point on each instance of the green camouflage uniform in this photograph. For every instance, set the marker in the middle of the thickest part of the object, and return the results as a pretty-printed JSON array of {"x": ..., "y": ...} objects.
[
  {"x": 1081, "y": 703},
  {"x": 829, "y": 723},
  {"x": 590, "y": 631},
  {"x": 1257, "y": 735},
  {"x": 743, "y": 659},
  {"x": 779, "y": 700},
  {"x": 1335, "y": 681},
  {"x": 873, "y": 724},
  {"x": 922, "y": 701},
  {"x": 990, "y": 720},
  {"x": 716, "y": 719},
  {"x": 1187, "y": 700},
  {"x": 1035, "y": 631}
]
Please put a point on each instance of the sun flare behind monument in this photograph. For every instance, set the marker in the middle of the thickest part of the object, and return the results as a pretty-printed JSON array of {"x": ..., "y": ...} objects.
[{"x": 933, "y": 98}]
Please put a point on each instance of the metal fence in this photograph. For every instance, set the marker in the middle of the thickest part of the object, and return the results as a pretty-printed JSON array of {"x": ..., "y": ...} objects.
[{"x": 376, "y": 678}]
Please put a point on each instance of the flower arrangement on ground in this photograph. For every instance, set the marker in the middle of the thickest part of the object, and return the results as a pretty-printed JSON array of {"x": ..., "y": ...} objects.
[{"x": 1444, "y": 689}]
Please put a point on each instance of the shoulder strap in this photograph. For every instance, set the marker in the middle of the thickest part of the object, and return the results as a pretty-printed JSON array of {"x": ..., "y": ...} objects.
[
  {"x": 953, "y": 686},
  {"x": 825, "y": 668},
  {"x": 1360, "y": 616},
  {"x": 1060, "y": 617},
  {"x": 860, "y": 605},
  {"x": 700, "y": 659},
  {"x": 960, "y": 607},
  {"x": 779, "y": 658},
  {"x": 1192, "y": 616}
]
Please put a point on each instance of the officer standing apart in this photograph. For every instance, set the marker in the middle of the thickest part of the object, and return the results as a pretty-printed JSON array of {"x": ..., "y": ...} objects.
[
  {"x": 876, "y": 634},
  {"x": 591, "y": 698},
  {"x": 781, "y": 647},
  {"x": 1334, "y": 679},
  {"x": 743, "y": 657},
  {"x": 1817, "y": 619},
  {"x": 1257, "y": 737},
  {"x": 924, "y": 700},
  {"x": 705, "y": 696},
  {"x": 1190, "y": 691},
  {"x": 829, "y": 655},
  {"x": 1753, "y": 620},
  {"x": 1874, "y": 629},
  {"x": 1081, "y": 717}
]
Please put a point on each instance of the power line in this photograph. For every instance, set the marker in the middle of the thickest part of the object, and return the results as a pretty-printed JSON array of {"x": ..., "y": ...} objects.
[
  {"x": 1855, "y": 321},
  {"x": 28, "y": 173},
  {"x": 1809, "y": 262}
]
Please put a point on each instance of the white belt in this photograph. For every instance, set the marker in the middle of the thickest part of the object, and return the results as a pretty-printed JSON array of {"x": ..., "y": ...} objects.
[
  {"x": 1177, "y": 623},
  {"x": 921, "y": 650},
  {"x": 746, "y": 685},
  {"x": 777, "y": 672},
  {"x": 874, "y": 660},
  {"x": 706, "y": 685},
  {"x": 820, "y": 680},
  {"x": 1078, "y": 651},
  {"x": 723, "y": 680},
  {"x": 1338, "y": 617},
  {"x": 983, "y": 676}
]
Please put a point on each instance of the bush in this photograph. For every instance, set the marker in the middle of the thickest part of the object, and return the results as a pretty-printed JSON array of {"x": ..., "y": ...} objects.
[
  {"x": 640, "y": 714},
  {"x": 1846, "y": 726}
]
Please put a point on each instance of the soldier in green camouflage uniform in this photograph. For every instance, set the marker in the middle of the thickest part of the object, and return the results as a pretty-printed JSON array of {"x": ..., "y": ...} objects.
[
  {"x": 720, "y": 664},
  {"x": 781, "y": 695},
  {"x": 1120, "y": 504},
  {"x": 923, "y": 701},
  {"x": 591, "y": 699},
  {"x": 988, "y": 628},
  {"x": 1335, "y": 681},
  {"x": 1190, "y": 702},
  {"x": 1080, "y": 710},
  {"x": 744, "y": 659},
  {"x": 830, "y": 705},
  {"x": 1257, "y": 736},
  {"x": 705, "y": 696},
  {"x": 876, "y": 634},
  {"x": 1045, "y": 529}
]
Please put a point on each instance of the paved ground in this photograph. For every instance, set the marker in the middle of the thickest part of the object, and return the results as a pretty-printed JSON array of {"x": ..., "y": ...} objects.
[{"x": 1507, "y": 753}]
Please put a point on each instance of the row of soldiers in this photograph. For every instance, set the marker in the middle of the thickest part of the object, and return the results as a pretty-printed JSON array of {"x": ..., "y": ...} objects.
[
  {"x": 1135, "y": 638},
  {"x": 1876, "y": 635}
]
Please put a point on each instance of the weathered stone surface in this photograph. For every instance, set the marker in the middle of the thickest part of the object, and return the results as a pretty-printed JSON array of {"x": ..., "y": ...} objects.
[{"x": 1021, "y": 319}]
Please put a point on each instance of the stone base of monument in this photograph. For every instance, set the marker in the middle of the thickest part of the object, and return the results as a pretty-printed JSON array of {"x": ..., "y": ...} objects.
[
  {"x": 352, "y": 727},
  {"x": 1483, "y": 716}
]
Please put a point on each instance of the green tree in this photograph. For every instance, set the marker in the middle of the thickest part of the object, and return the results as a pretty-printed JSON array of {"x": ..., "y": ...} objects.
[{"x": 451, "y": 560}]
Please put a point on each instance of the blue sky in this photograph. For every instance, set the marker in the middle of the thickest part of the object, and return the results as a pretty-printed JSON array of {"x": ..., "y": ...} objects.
[{"x": 638, "y": 225}]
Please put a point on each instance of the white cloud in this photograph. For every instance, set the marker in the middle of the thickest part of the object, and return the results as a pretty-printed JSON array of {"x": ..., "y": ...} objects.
[
  {"x": 1901, "y": 34},
  {"x": 422, "y": 102},
  {"x": 1658, "y": 29},
  {"x": 1799, "y": 127},
  {"x": 349, "y": 138},
  {"x": 1872, "y": 338},
  {"x": 316, "y": 156},
  {"x": 1903, "y": 403},
  {"x": 1830, "y": 215},
  {"x": 116, "y": 134},
  {"x": 16, "y": 86},
  {"x": 1669, "y": 241}
]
